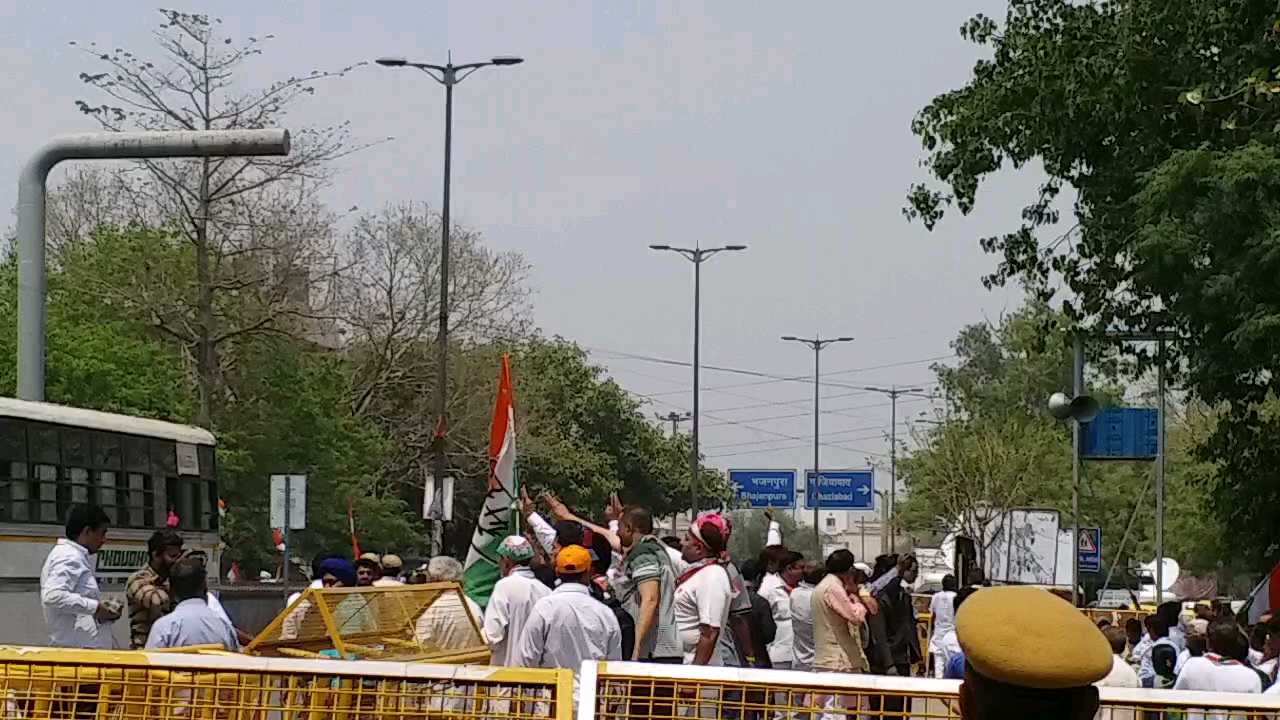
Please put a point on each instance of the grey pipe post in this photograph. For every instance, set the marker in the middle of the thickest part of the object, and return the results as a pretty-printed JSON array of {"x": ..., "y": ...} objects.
[
  {"x": 1160, "y": 453},
  {"x": 1077, "y": 389},
  {"x": 98, "y": 146}
]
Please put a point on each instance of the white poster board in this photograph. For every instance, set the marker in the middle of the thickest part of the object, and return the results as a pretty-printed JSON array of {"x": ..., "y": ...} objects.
[
  {"x": 297, "y": 501},
  {"x": 444, "y": 509},
  {"x": 1033, "y": 546}
]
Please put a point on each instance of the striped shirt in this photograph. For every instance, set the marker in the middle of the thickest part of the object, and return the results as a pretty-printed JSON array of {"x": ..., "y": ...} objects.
[{"x": 148, "y": 601}]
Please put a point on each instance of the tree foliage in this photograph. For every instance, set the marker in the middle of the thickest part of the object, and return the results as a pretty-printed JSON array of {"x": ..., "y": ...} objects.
[
  {"x": 1162, "y": 118},
  {"x": 996, "y": 448}
]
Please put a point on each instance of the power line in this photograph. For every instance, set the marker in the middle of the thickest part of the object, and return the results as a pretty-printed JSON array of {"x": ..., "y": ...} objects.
[
  {"x": 832, "y": 411},
  {"x": 808, "y": 444},
  {"x": 770, "y": 378},
  {"x": 884, "y": 428}
]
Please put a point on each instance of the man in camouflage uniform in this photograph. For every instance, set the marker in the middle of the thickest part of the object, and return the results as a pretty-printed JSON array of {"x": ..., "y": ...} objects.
[{"x": 148, "y": 589}]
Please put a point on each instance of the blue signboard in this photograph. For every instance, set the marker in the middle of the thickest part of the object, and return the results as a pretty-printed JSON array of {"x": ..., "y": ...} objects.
[
  {"x": 1121, "y": 434},
  {"x": 842, "y": 489},
  {"x": 1089, "y": 549},
  {"x": 765, "y": 488}
]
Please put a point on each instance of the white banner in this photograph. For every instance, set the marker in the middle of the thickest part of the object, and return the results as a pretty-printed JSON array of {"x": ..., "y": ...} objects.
[
  {"x": 297, "y": 501},
  {"x": 438, "y": 508}
]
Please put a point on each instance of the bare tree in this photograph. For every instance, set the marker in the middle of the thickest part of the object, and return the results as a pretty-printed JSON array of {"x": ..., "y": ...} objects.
[
  {"x": 971, "y": 474},
  {"x": 389, "y": 294},
  {"x": 252, "y": 222}
]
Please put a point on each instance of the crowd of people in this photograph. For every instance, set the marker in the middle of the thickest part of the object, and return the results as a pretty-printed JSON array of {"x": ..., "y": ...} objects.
[
  {"x": 168, "y": 598},
  {"x": 572, "y": 591},
  {"x": 1208, "y": 649}
]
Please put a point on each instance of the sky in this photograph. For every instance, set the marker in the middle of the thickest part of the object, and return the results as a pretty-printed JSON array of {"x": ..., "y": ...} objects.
[{"x": 783, "y": 127}]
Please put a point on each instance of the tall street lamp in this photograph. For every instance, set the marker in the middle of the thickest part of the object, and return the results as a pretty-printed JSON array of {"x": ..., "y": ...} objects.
[
  {"x": 447, "y": 75},
  {"x": 817, "y": 344},
  {"x": 697, "y": 256},
  {"x": 893, "y": 393}
]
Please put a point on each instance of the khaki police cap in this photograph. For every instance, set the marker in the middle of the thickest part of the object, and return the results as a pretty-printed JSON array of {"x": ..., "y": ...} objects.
[{"x": 1031, "y": 638}]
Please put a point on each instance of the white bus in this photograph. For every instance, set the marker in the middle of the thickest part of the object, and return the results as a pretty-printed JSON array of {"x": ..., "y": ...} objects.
[{"x": 137, "y": 470}]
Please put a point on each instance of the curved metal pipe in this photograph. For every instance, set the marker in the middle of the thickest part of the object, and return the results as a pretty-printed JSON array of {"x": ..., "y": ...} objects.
[{"x": 98, "y": 146}]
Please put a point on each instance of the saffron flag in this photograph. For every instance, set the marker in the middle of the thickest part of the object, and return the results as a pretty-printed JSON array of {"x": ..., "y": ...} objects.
[
  {"x": 1265, "y": 597},
  {"x": 495, "y": 521}
]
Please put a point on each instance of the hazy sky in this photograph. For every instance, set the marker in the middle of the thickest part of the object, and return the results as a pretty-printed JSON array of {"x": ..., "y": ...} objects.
[{"x": 785, "y": 127}]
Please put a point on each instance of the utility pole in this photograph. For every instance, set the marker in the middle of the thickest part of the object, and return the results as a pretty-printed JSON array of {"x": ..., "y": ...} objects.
[
  {"x": 816, "y": 344},
  {"x": 893, "y": 392},
  {"x": 675, "y": 419}
]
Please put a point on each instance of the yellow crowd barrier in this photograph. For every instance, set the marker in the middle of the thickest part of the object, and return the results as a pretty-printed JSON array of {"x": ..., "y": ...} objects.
[
  {"x": 54, "y": 684},
  {"x": 631, "y": 691}
]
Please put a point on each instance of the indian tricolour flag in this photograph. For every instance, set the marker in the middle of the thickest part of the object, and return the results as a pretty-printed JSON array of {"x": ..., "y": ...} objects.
[
  {"x": 1265, "y": 597},
  {"x": 496, "y": 519}
]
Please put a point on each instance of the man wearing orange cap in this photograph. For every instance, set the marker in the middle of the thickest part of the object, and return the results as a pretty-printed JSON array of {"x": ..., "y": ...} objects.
[
  {"x": 569, "y": 626},
  {"x": 1028, "y": 654}
]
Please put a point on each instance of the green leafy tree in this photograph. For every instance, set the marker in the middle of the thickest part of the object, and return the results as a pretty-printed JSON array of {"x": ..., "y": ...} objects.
[
  {"x": 751, "y": 529},
  {"x": 1161, "y": 118},
  {"x": 997, "y": 448}
]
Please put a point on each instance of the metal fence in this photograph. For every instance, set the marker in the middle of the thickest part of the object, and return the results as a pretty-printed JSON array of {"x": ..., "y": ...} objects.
[
  {"x": 49, "y": 684},
  {"x": 630, "y": 691}
]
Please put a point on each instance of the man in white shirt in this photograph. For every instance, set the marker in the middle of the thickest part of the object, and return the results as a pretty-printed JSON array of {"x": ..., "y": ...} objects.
[
  {"x": 942, "y": 610},
  {"x": 1222, "y": 669},
  {"x": 569, "y": 626},
  {"x": 801, "y": 601},
  {"x": 702, "y": 599},
  {"x": 74, "y": 611},
  {"x": 512, "y": 600},
  {"x": 1122, "y": 674},
  {"x": 446, "y": 625},
  {"x": 784, "y": 571}
]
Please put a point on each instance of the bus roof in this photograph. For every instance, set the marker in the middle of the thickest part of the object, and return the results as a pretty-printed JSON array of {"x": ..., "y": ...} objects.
[{"x": 109, "y": 422}]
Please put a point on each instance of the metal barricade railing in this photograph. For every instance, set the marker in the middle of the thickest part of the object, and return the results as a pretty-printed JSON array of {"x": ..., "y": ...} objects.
[
  {"x": 1117, "y": 617},
  {"x": 52, "y": 684},
  {"x": 630, "y": 691}
]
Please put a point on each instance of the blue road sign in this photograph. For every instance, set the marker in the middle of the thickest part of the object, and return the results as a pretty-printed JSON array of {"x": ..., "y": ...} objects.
[
  {"x": 1121, "y": 434},
  {"x": 842, "y": 489},
  {"x": 1089, "y": 549},
  {"x": 765, "y": 488}
]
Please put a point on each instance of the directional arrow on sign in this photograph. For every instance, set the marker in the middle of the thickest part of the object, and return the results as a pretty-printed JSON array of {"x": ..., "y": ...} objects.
[{"x": 864, "y": 490}]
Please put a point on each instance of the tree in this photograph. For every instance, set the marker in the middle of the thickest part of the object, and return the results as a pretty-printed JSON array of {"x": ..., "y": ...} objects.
[
  {"x": 751, "y": 527},
  {"x": 291, "y": 414},
  {"x": 254, "y": 224},
  {"x": 578, "y": 435},
  {"x": 1161, "y": 117},
  {"x": 996, "y": 396},
  {"x": 971, "y": 474}
]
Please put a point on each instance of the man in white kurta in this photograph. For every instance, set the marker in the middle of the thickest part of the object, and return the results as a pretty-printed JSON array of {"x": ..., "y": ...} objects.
[{"x": 512, "y": 600}]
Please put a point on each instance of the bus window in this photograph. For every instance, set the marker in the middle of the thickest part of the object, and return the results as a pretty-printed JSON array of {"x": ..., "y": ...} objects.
[
  {"x": 139, "y": 502},
  {"x": 46, "y": 483},
  {"x": 19, "y": 486},
  {"x": 107, "y": 497}
]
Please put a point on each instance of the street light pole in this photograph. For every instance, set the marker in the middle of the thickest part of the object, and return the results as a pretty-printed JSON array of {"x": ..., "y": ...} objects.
[
  {"x": 817, "y": 344},
  {"x": 447, "y": 75},
  {"x": 697, "y": 256},
  {"x": 893, "y": 393}
]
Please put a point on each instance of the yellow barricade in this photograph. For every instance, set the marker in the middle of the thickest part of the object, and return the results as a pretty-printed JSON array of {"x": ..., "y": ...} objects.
[
  {"x": 54, "y": 684},
  {"x": 631, "y": 691}
]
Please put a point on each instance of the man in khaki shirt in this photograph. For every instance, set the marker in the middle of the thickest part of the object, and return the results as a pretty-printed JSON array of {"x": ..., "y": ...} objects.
[
  {"x": 838, "y": 617},
  {"x": 147, "y": 590}
]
